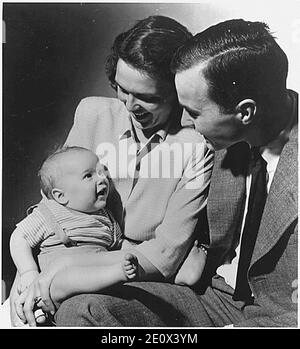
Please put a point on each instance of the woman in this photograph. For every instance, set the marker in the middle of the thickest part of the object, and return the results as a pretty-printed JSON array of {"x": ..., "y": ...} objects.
[{"x": 161, "y": 172}]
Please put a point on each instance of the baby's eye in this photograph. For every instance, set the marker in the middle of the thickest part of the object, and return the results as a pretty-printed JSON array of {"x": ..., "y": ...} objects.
[{"x": 88, "y": 175}]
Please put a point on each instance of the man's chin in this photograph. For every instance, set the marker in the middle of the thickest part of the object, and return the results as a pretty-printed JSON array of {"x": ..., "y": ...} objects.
[
  {"x": 215, "y": 146},
  {"x": 210, "y": 144}
]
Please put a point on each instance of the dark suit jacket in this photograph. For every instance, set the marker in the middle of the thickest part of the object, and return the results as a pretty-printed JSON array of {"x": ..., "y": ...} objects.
[{"x": 273, "y": 270}]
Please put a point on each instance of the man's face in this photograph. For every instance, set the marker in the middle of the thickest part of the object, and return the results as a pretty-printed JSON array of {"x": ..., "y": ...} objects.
[
  {"x": 148, "y": 101},
  {"x": 220, "y": 130}
]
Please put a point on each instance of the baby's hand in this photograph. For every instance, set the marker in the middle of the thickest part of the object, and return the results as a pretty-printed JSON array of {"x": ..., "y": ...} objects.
[{"x": 26, "y": 279}]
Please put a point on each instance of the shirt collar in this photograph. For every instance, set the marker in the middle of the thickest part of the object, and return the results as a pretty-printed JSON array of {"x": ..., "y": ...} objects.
[{"x": 161, "y": 134}]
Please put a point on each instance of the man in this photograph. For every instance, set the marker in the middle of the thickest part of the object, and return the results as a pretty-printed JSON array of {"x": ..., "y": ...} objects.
[{"x": 231, "y": 80}]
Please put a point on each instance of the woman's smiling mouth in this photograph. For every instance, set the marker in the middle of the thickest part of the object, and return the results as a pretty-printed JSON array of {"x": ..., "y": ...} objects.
[{"x": 141, "y": 117}]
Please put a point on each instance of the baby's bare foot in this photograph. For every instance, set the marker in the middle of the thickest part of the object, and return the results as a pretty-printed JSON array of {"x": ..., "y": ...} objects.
[{"x": 130, "y": 266}]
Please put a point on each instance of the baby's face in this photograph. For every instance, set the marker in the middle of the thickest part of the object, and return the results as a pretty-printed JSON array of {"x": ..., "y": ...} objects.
[{"x": 83, "y": 181}]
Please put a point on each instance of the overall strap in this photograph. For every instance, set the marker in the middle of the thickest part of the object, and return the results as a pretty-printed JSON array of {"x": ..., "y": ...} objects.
[{"x": 51, "y": 221}]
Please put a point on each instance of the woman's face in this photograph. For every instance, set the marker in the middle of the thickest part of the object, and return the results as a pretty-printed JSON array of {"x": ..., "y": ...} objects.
[{"x": 148, "y": 101}]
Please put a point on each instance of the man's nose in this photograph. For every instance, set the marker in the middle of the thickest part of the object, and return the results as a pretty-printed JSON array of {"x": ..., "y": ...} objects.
[{"x": 186, "y": 120}]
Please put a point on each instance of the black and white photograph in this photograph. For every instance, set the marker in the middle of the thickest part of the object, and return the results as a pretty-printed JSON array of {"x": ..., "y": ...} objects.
[{"x": 150, "y": 166}]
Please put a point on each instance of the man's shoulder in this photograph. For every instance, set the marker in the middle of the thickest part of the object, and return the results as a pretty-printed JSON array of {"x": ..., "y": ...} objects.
[
  {"x": 293, "y": 94},
  {"x": 293, "y": 135}
]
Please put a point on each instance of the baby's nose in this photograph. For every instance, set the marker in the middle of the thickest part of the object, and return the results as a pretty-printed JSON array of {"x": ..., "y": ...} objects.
[{"x": 101, "y": 177}]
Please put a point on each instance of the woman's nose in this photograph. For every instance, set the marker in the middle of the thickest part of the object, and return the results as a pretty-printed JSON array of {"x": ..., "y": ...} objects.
[
  {"x": 131, "y": 103},
  {"x": 129, "y": 100}
]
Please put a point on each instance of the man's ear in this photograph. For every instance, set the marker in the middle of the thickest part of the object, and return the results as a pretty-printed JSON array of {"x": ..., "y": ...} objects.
[
  {"x": 246, "y": 111},
  {"x": 59, "y": 196}
]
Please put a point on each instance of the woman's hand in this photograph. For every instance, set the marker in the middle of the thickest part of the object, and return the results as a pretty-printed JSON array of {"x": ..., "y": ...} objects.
[
  {"x": 34, "y": 298},
  {"x": 37, "y": 297},
  {"x": 26, "y": 279},
  {"x": 14, "y": 294}
]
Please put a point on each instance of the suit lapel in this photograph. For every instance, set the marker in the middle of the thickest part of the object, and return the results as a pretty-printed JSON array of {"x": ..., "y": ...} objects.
[
  {"x": 227, "y": 194},
  {"x": 281, "y": 206}
]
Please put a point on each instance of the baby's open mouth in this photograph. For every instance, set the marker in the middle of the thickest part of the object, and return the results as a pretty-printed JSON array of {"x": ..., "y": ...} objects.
[{"x": 102, "y": 191}]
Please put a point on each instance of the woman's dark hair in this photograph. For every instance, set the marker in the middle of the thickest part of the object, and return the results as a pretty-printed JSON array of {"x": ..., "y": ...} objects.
[
  {"x": 148, "y": 47},
  {"x": 241, "y": 60}
]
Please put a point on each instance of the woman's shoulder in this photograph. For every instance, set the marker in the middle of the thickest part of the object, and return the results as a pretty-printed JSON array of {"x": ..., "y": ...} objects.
[
  {"x": 97, "y": 104},
  {"x": 187, "y": 135},
  {"x": 104, "y": 110}
]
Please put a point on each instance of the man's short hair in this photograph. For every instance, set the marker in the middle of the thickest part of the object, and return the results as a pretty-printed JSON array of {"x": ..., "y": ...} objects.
[
  {"x": 51, "y": 168},
  {"x": 242, "y": 61},
  {"x": 148, "y": 47}
]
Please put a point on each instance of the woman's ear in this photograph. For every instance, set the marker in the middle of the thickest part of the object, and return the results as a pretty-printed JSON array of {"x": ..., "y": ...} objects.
[
  {"x": 59, "y": 196},
  {"x": 246, "y": 111}
]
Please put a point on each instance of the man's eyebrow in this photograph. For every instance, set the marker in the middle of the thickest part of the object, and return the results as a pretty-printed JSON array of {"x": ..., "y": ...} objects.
[{"x": 188, "y": 109}]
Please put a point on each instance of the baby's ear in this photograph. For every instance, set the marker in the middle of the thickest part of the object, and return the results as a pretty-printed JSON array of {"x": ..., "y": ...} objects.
[{"x": 59, "y": 196}]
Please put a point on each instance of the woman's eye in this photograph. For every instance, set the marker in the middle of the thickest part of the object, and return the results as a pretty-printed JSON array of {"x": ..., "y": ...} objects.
[
  {"x": 120, "y": 89},
  {"x": 88, "y": 175},
  {"x": 153, "y": 99}
]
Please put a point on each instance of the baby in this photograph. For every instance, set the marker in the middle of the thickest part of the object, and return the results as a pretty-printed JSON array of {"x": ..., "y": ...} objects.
[
  {"x": 72, "y": 221},
  {"x": 72, "y": 218}
]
